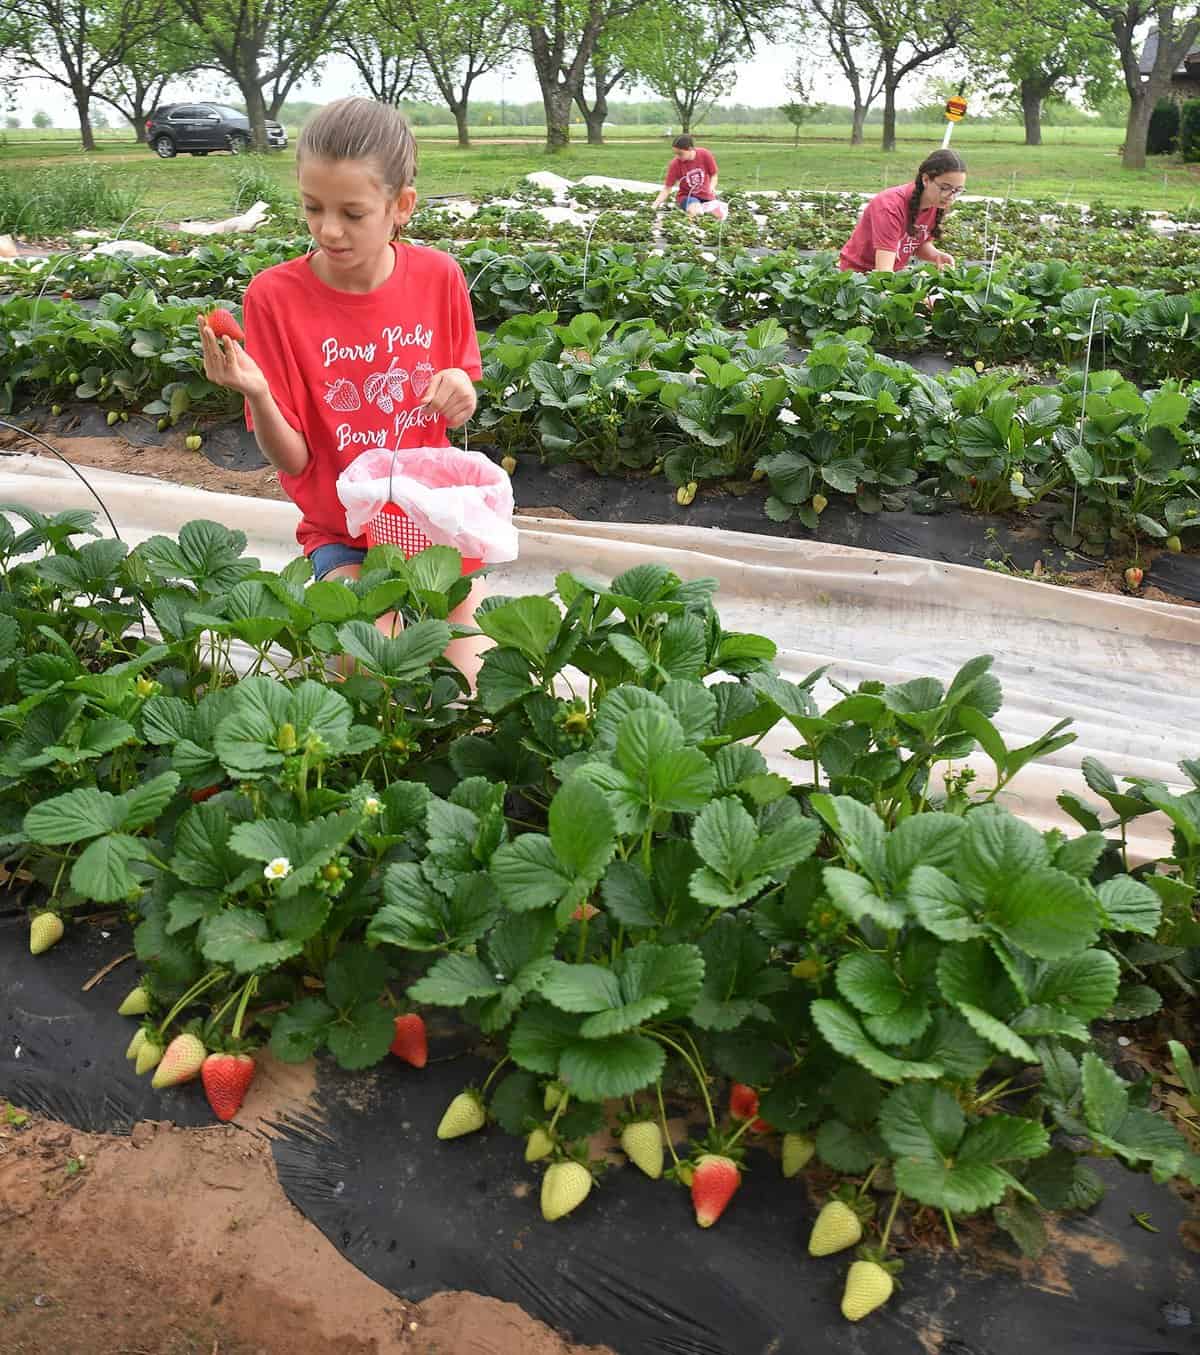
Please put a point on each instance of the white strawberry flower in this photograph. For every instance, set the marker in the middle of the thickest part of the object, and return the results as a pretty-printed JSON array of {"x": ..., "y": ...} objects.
[
  {"x": 1056, "y": 331},
  {"x": 786, "y": 416},
  {"x": 826, "y": 398},
  {"x": 278, "y": 869},
  {"x": 372, "y": 805}
]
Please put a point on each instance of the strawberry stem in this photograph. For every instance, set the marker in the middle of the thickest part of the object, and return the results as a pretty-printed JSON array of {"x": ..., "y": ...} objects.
[
  {"x": 488, "y": 1080},
  {"x": 247, "y": 993},
  {"x": 866, "y": 1185},
  {"x": 662, "y": 1111},
  {"x": 891, "y": 1218},
  {"x": 697, "y": 1072},
  {"x": 558, "y": 1110},
  {"x": 741, "y": 1129},
  {"x": 190, "y": 996},
  {"x": 950, "y": 1228}
]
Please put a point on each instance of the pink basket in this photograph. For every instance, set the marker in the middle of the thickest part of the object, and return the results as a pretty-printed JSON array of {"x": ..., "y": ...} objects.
[{"x": 393, "y": 527}]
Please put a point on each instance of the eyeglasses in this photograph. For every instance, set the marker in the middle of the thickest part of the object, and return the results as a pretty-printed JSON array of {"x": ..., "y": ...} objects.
[{"x": 948, "y": 190}]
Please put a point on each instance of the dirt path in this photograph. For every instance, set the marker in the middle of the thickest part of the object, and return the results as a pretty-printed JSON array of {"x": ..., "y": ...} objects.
[{"x": 181, "y": 1242}]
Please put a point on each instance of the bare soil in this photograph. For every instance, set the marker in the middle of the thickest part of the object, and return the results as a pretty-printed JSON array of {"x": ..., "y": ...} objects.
[{"x": 181, "y": 1242}]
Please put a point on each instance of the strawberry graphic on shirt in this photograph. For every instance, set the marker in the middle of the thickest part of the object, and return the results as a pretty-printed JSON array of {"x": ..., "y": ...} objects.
[
  {"x": 386, "y": 388},
  {"x": 342, "y": 395},
  {"x": 422, "y": 375}
]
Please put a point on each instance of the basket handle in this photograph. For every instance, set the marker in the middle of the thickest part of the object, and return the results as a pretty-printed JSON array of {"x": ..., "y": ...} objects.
[{"x": 396, "y": 452}]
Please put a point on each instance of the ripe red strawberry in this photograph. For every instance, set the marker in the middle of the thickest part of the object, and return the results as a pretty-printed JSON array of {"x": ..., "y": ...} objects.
[
  {"x": 226, "y": 1078},
  {"x": 182, "y": 1061},
  {"x": 199, "y": 796},
  {"x": 743, "y": 1105},
  {"x": 410, "y": 1042},
  {"x": 714, "y": 1182},
  {"x": 223, "y": 325}
]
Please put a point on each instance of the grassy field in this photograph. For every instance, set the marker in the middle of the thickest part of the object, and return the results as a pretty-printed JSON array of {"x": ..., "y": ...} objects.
[{"x": 1076, "y": 164}]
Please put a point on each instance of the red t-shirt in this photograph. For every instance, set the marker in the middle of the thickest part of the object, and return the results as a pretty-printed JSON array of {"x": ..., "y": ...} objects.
[
  {"x": 694, "y": 176},
  {"x": 884, "y": 225},
  {"x": 348, "y": 368}
]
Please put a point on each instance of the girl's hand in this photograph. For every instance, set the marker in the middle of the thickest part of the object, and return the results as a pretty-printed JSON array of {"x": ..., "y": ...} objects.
[
  {"x": 226, "y": 363},
  {"x": 451, "y": 394},
  {"x": 944, "y": 260}
]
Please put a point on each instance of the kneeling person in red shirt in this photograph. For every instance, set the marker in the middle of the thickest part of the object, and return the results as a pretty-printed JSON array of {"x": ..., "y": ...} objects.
[
  {"x": 694, "y": 170},
  {"x": 905, "y": 222}
]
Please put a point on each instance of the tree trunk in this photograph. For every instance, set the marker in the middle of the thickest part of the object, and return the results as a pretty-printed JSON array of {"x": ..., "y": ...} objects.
[
  {"x": 594, "y": 117},
  {"x": 856, "y": 125},
  {"x": 82, "y": 109},
  {"x": 460, "y": 121},
  {"x": 889, "y": 110},
  {"x": 1137, "y": 126},
  {"x": 256, "y": 111},
  {"x": 1031, "y": 111},
  {"x": 557, "y": 101}
]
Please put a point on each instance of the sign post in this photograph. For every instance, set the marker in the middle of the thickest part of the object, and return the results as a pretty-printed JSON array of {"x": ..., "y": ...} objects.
[{"x": 956, "y": 109}]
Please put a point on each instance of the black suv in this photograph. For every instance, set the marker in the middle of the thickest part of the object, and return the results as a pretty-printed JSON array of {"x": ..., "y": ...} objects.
[{"x": 203, "y": 127}]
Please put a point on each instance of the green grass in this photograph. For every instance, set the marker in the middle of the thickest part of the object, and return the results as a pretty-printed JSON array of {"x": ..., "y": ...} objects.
[{"x": 1077, "y": 164}]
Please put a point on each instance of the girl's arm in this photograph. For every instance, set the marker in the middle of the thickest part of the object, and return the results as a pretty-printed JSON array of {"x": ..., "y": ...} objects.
[
  {"x": 885, "y": 260},
  {"x": 931, "y": 254},
  {"x": 226, "y": 363}
]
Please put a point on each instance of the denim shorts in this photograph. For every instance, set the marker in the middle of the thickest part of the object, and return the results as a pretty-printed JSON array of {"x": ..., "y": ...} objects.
[
  {"x": 690, "y": 202},
  {"x": 333, "y": 556}
]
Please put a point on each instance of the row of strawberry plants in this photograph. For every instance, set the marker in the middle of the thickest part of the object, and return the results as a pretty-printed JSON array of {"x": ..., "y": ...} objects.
[
  {"x": 1040, "y": 311},
  {"x": 716, "y": 405},
  {"x": 590, "y": 862},
  {"x": 1120, "y": 466}
]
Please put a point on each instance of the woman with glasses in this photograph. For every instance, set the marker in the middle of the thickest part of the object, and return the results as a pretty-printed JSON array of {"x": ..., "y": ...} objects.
[{"x": 905, "y": 222}]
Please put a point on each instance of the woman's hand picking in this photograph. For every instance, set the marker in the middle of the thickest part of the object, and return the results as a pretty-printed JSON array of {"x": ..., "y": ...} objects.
[
  {"x": 944, "y": 260},
  {"x": 451, "y": 394},
  {"x": 226, "y": 363}
]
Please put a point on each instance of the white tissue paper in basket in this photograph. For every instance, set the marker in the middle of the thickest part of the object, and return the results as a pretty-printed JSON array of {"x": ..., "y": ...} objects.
[{"x": 456, "y": 498}]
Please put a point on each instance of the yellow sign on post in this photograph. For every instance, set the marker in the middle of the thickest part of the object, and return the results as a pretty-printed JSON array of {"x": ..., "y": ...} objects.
[{"x": 956, "y": 109}]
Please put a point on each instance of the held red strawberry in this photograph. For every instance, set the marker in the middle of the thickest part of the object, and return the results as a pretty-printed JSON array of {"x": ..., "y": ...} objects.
[
  {"x": 223, "y": 325},
  {"x": 410, "y": 1041},
  {"x": 868, "y": 1286},
  {"x": 226, "y": 1078},
  {"x": 643, "y": 1145},
  {"x": 564, "y": 1187},
  {"x": 182, "y": 1061},
  {"x": 714, "y": 1182}
]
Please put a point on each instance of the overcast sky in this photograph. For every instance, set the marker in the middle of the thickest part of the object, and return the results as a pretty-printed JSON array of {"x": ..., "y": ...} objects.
[{"x": 761, "y": 83}]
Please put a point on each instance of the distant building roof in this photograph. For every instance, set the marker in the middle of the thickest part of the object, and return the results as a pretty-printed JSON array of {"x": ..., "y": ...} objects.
[{"x": 1190, "y": 65}]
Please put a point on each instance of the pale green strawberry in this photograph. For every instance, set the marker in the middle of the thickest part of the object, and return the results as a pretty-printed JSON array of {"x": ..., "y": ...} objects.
[
  {"x": 136, "y": 1003},
  {"x": 837, "y": 1227},
  {"x": 538, "y": 1145},
  {"x": 135, "y": 1045},
  {"x": 182, "y": 1061},
  {"x": 464, "y": 1115},
  {"x": 148, "y": 1055},
  {"x": 798, "y": 1150},
  {"x": 45, "y": 930},
  {"x": 868, "y": 1286},
  {"x": 552, "y": 1096},
  {"x": 643, "y": 1145},
  {"x": 564, "y": 1187}
]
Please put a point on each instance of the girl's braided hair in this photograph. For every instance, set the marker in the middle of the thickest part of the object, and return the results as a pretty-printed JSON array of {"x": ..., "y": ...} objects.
[{"x": 943, "y": 161}]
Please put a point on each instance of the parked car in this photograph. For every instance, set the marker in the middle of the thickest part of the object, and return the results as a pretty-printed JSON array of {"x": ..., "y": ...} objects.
[{"x": 202, "y": 127}]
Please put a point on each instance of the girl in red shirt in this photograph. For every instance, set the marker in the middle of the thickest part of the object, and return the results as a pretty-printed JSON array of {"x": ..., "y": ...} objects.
[
  {"x": 906, "y": 222},
  {"x": 365, "y": 342}
]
